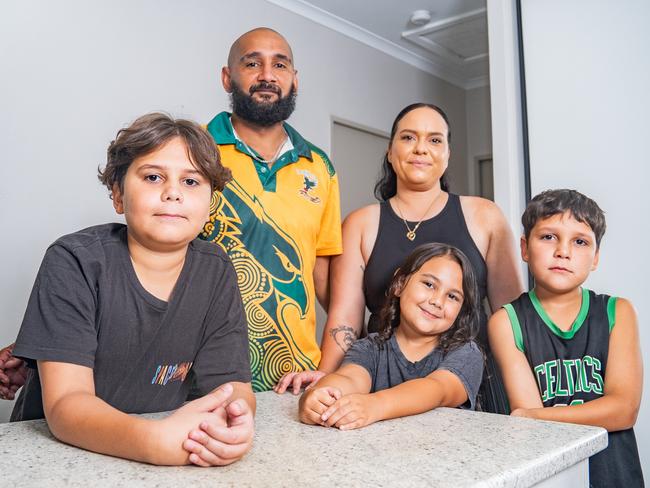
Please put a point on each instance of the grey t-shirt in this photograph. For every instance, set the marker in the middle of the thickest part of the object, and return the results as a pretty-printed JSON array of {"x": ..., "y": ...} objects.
[
  {"x": 388, "y": 367},
  {"x": 88, "y": 308}
]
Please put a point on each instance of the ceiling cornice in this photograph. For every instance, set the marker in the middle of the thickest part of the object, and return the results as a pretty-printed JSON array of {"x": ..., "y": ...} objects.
[{"x": 368, "y": 38}]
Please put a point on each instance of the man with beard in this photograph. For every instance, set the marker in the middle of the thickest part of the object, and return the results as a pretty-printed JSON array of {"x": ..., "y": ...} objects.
[{"x": 278, "y": 219}]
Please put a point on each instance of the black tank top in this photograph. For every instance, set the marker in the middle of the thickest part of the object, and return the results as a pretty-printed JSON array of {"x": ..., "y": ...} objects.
[
  {"x": 569, "y": 367},
  {"x": 392, "y": 247}
]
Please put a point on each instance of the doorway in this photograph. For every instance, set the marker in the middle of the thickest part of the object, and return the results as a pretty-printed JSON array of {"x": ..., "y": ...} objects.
[{"x": 357, "y": 154}]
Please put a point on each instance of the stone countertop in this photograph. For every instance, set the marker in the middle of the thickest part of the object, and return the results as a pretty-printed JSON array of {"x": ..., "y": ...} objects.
[{"x": 444, "y": 447}]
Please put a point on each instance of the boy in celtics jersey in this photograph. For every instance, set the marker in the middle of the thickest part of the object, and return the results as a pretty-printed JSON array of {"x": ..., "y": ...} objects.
[{"x": 566, "y": 353}]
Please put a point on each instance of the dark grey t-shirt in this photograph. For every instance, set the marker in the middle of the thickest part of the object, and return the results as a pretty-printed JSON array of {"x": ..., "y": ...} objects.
[
  {"x": 388, "y": 367},
  {"x": 87, "y": 307}
]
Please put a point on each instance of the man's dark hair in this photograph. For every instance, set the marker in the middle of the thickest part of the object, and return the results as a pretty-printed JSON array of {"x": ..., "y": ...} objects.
[
  {"x": 553, "y": 202},
  {"x": 152, "y": 131}
]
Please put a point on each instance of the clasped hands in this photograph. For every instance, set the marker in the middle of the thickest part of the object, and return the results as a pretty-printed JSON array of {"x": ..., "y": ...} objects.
[
  {"x": 328, "y": 407},
  {"x": 215, "y": 432}
]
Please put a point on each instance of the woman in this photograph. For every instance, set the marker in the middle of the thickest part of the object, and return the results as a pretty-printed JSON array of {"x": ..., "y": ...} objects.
[{"x": 416, "y": 207}]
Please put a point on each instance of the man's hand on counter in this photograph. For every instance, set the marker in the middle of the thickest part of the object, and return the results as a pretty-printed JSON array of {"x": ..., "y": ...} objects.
[
  {"x": 13, "y": 373},
  {"x": 218, "y": 443}
]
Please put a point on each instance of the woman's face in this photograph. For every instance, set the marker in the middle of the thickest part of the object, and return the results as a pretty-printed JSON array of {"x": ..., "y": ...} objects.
[{"x": 419, "y": 152}]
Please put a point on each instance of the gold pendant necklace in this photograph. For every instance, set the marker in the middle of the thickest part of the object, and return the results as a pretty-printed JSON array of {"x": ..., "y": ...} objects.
[{"x": 411, "y": 233}]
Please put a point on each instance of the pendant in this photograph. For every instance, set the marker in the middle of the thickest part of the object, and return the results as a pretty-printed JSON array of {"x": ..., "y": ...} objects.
[{"x": 410, "y": 235}]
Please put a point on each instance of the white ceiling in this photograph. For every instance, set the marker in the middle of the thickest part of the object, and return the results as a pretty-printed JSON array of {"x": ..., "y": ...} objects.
[{"x": 453, "y": 45}]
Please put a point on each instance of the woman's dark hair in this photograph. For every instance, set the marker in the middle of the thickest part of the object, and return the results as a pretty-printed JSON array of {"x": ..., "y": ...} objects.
[
  {"x": 553, "y": 202},
  {"x": 465, "y": 327},
  {"x": 386, "y": 186},
  {"x": 152, "y": 131}
]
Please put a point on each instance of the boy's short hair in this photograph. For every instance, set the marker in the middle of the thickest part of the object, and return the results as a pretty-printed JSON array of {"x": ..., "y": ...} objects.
[
  {"x": 151, "y": 132},
  {"x": 553, "y": 202}
]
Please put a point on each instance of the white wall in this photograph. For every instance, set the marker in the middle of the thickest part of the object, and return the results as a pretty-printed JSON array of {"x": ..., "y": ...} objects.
[
  {"x": 587, "y": 80},
  {"x": 73, "y": 72}
]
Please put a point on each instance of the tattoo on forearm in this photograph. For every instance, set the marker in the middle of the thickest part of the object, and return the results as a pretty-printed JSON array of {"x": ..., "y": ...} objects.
[{"x": 344, "y": 336}]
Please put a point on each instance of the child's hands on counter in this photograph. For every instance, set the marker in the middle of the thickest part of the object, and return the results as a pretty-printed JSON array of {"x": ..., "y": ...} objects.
[
  {"x": 172, "y": 432},
  {"x": 224, "y": 438},
  {"x": 352, "y": 412},
  {"x": 313, "y": 404}
]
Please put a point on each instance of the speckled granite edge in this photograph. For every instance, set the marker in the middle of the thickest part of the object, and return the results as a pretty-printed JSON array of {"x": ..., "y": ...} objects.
[{"x": 594, "y": 440}]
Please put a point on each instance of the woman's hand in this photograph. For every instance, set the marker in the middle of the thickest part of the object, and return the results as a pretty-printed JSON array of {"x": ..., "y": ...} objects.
[
  {"x": 315, "y": 402},
  {"x": 352, "y": 412}
]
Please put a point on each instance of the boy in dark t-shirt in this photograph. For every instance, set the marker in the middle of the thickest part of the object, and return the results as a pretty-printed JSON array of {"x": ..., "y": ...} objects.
[
  {"x": 566, "y": 347},
  {"x": 127, "y": 319}
]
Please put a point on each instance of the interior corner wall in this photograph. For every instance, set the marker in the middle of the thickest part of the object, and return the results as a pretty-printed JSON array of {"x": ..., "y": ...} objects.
[
  {"x": 479, "y": 132},
  {"x": 74, "y": 72},
  {"x": 587, "y": 76}
]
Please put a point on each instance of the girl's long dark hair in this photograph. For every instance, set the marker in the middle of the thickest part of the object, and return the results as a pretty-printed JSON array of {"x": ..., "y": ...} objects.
[
  {"x": 465, "y": 327},
  {"x": 386, "y": 186}
]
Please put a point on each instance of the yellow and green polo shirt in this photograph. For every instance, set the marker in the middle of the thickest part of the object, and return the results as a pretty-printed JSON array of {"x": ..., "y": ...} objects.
[{"x": 273, "y": 222}]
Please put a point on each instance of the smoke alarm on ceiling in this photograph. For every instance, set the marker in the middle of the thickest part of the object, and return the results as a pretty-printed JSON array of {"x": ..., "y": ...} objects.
[{"x": 420, "y": 17}]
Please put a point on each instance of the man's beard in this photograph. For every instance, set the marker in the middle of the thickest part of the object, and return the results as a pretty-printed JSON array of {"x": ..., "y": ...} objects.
[{"x": 263, "y": 114}]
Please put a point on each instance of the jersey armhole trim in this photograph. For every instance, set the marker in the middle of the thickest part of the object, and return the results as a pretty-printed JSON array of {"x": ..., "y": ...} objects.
[
  {"x": 516, "y": 327},
  {"x": 611, "y": 312}
]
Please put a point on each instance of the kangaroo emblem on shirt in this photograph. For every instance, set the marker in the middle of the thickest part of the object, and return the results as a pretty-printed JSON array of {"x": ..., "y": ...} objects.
[{"x": 309, "y": 183}]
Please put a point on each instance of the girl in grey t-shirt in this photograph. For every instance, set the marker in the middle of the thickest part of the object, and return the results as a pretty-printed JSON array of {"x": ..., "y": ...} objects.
[{"x": 423, "y": 356}]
